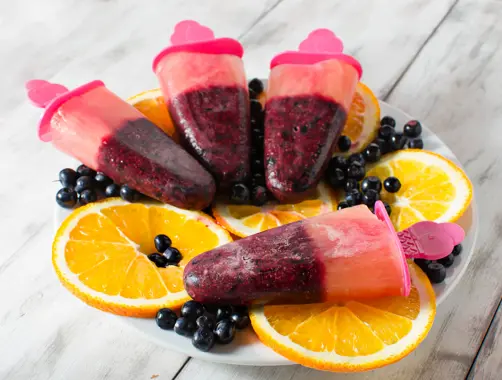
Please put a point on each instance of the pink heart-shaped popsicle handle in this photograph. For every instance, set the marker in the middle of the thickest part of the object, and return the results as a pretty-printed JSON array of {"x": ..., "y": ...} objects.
[
  {"x": 189, "y": 31},
  {"x": 430, "y": 240},
  {"x": 321, "y": 41},
  {"x": 41, "y": 93}
]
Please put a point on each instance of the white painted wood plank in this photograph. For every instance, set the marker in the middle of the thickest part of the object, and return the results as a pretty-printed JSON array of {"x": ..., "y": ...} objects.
[
  {"x": 455, "y": 86},
  {"x": 385, "y": 35},
  {"x": 488, "y": 364}
]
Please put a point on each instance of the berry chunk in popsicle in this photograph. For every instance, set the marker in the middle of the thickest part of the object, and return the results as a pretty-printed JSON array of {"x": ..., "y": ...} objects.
[
  {"x": 308, "y": 97},
  {"x": 345, "y": 255},
  {"x": 95, "y": 126},
  {"x": 203, "y": 83}
]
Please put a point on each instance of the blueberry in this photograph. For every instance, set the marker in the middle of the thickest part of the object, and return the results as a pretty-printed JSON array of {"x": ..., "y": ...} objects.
[
  {"x": 338, "y": 162},
  {"x": 223, "y": 312},
  {"x": 353, "y": 197},
  {"x": 386, "y": 132},
  {"x": 101, "y": 180},
  {"x": 211, "y": 309},
  {"x": 388, "y": 120},
  {"x": 255, "y": 107},
  {"x": 172, "y": 255},
  {"x": 128, "y": 194},
  {"x": 224, "y": 331},
  {"x": 344, "y": 143},
  {"x": 84, "y": 183},
  {"x": 370, "y": 197},
  {"x": 387, "y": 208},
  {"x": 342, "y": 205},
  {"x": 412, "y": 129},
  {"x": 257, "y": 121},
  {"x": 241, "y": 320},
  {"x": 257, "y": 137},
  {"x": 255, "y": 86},
  {"x": 416, "y": 144},
  {"x": 257, "y": 165},
  {"x": 239, "y": 194},
  {"x": 166, "y": 318},
  {"x": 385, "y": 146},
  {"x": 87, "y": 196},
  {"x": 258, "y": 179},
  {"x": 356, "y": 171},
  {"x": 398, "y": 141},
  {"x": 68, "y": 177},
  {"x": 112, "y": 190},
  {"x": 457, "y": 250},
  {"x": 206, "y": 322},
  {"x": 159, "y": 260},
  {"x": 192, "y": 310},
  {"x": 336, "y": 177},
  {"x": 392, "y": 184},
  {"x": 423, "y": 263},
  {"x": 66, "y": 197},
  {"x": 436, "y": 272},
  {"x": 447, "y": 261},
  {"x": 259, "y": 195},
  {"x": 184, "y": 326},
  {"x": 351, "y": 184},
  {"x": 85, "y": 170},
  {"x": 203, "y": 339},
  {"x": 372, "y": 153},
  {"x": 371, "y": 182},
  {"x": 357, "y": 157},
  {"x": 162, "y": 242}
]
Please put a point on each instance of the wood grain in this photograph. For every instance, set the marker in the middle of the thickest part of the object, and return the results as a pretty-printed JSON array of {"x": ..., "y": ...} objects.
[
  {"x": 488, "y": 363},
  {"x": 384, "y": 35}
]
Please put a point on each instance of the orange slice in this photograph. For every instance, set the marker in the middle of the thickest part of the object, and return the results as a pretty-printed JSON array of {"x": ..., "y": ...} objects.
[
  {"x": 100, "y": 254},
  {"x": 151, "y": 104},
  {"x": 363, "y": 119},
  {"x": 246, "y": 220},
  {"x": 350, "y": 336},
  {"x": 432, "y": 187}
]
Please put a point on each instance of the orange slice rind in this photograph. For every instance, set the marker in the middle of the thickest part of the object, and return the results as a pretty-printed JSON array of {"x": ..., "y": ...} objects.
[
  {"x": 151, "y": 104},
  {"x": 351, "y": 336},
  {"x": 100, "y": 254},
  {"x": 246, "y": 220},
  {"x": 432, "y": 187}
]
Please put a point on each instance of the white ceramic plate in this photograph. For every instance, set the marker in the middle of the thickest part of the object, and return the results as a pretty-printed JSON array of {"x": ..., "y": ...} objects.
[{"x": 247, "y": 349}]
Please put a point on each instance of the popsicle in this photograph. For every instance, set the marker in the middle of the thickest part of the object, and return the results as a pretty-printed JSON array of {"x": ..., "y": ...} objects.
[
  {"x": 95, "y": 126},
  {"x": 203, "y": 83},
  {"x": 308, "y": 97},
  {"x": 344, "y": 255}
]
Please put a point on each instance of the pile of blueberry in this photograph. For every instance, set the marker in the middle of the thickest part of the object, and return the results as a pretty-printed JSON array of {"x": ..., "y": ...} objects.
[
  {"x": 436, "y": 270},
  {"x": 85, "y": 185},
  {"x": 255, "y": 191},
  {"x": 388, "y": 140},
  {"x": 348, "y": 174},
  {"x": 205, "y": 324},
  {"x": 166, "y": 254}
]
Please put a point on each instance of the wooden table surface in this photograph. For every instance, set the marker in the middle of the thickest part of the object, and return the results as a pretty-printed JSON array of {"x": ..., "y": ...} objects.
[{"x": 439, "y": 60}]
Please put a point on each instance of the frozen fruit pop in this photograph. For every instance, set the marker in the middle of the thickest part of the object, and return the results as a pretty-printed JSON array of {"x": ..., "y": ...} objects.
[
  {"x": 107, "y": 134},
  {"x": 308, "y": 97},
  {"x": 203, "y": 83},
  {"x": 343, "y": 255}
]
